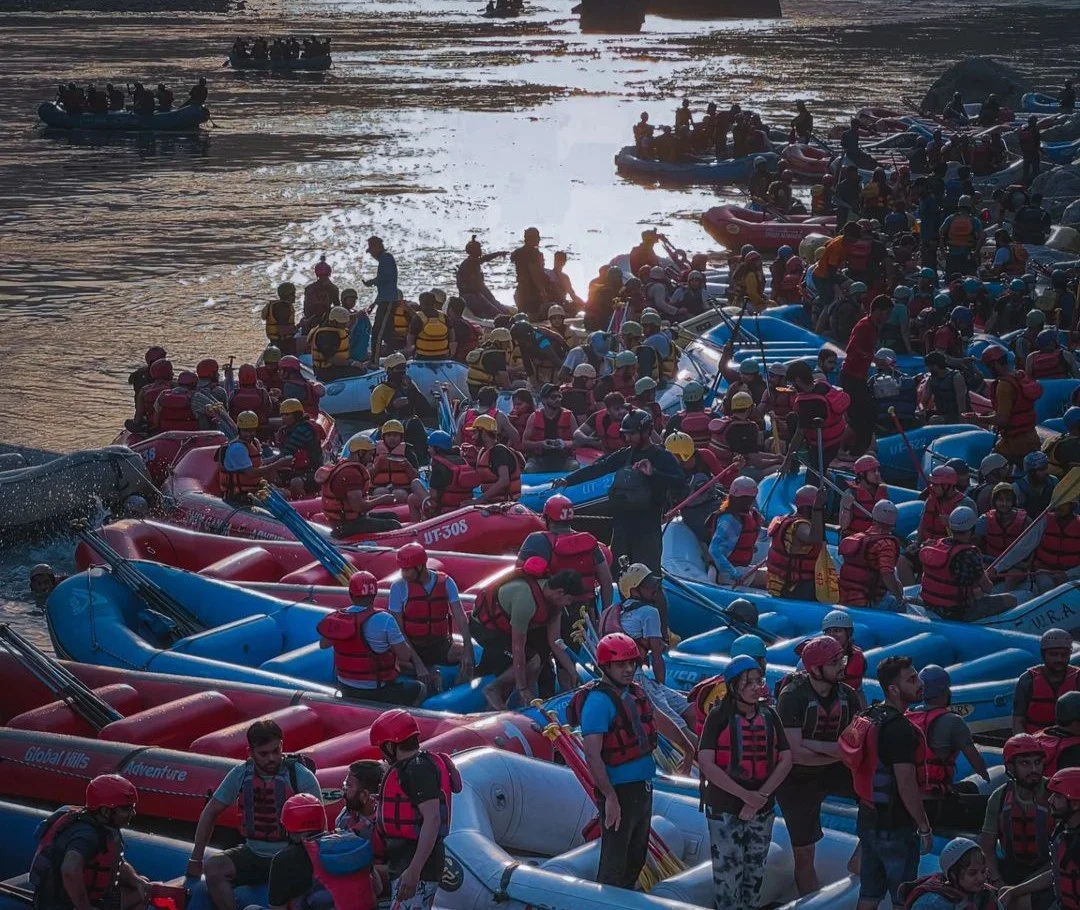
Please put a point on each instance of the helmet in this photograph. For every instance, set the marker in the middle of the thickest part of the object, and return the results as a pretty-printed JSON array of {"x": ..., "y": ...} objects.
[
  {"x": 272, "y": 354},
  {"x": 247, "y": 375},
  {"x": 865, "y": 463},
  {"x": 819, "y": 651},
  {"x": 992, "y": 353},
  {"x": 1003, "y": 487},
  {"x": 748, "y": 646},
  {"x": 693, "y": 391},
  {"x": 42, "y": 568},
  {"x": 943, "y": 474},
  {"x": 1067, "y": 709},
  {"x": 743, "y": 610},
  {"x": 392, "y": 426},
  {"x": 1021, "y": 744},
  {"x": 743, "y": 486},
  {"x": 303, "y": 813},
  {"x": 536, "y": 567},
  {"x": 752, "y": 257},
  {"x": 360, "y": 443},
  {"x": 631, "y": 328},
  {"x": 397, "y": 359},
  {"x": 695, "y": 275},
  {"x": 440, "y": 439},
  {"x": 190, "y": 380},
  {"x": 644, "y": 384},
  {"x": 487, "y": 423},
  {"x": 616, "y": 647},
  {"x": 153, "y": 353},
  {"x": 1035, "y": 319},
  {"x": 585, "y": 369},
  {"x": 759, "y": 161},
  {"x": 935, "y": 681},
  {"x": 742, "y": 401},
  {"x": 1017, "y": 286},
  {"x": 1071, "y": 418},
  {"x": 412, "y": 556},
  {"x": 962, "y": 518},
  {"x": 943, "y": 300},
  {"x": 656, "y": 273},
  {"x": 961, "y": 314},
  {"x": 650, "y": 317},
  {"x": 207, "y": 369},
  {"x": 559, "y": 508},
  {"x": 681, "y": 446},
  {"x": 884, "y": 512},
  {"x": 625, "y": 359},
  {"x": 992, "y": 462},
  {"x": 1055, "y": 638},
  {"x": 161, "y": 369},
  {"x": 955, "y": 850},
  {"x": 1057, "y": 278},
  {"x": 339, "y": 315},
  {"x": 928, "y": 273},
  {"x": 785, "y": 252},
  {"x": 322, "y": 268},
  {"x": 972, "y": 285},
  {"x": 363, "y": 584},
  {"x": 777, "y": 368},
  {"x": 632, "y": 577},
  {"x": 795, "y": 265},
  {"x": 599, "y": 343},
  {"x": 750, "y": 366},
  {"x": 805, "y": 496},
  {"x": 739, "y": 665},
  {"x": 901, "y": 292},
  {"x": 291, "y": 406},
  {"x": 856, "y": 288},
  {"x": 958, "y": 465},
  {"x": 837, "y": 619},
  {"x": 555, "y": 310},
  {"x": 289, "y": 362},
  {"x": 964, "y": 202},
  {"x": 1066, "y": 782},
  {"x": 110, "y": 791},
  {"x": 1036, "y": 461},
  {"x": 247, "y": 420},
  {"x": 394, "y": 727},
  {"x": 636, "y": 421},
  {"x": 1047, "y": 339}
]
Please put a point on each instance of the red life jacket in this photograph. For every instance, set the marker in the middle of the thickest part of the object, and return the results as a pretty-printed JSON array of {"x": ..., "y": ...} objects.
[
  {"x": 543, "y": 427},
  {"x": 487, "y": 476},
  {"x": 426, "y": 616},
  {"x": 1024, "y": 833},
  {"x": 819, "y": 723},
  {"x": 939, "y": 771},
  {"x": 961, "y": 232},
  {"x": 100, "y": 872},
  {"x": 303, "y": 391},
  {"x": 983, "y": 899},
  {"x": 1054, "y": 741},
  {"x": 270, "y": 380},
  {"x": 174, "y": 410},
  {"x": 1059, "y": 549},
  {"x": 718, "y": 428},
  {"x": 463, "y": 480},
  {"x": 746, "y": 747},
  {"x": 1044, "y": 696},
  {"x": 695, "y": 424},
  {"x": 308, "y": 454},
  {"x": 150, "y": 394},
  {"x": 632, "y": 734},
  {"x": 867, "y": 499},
  {"x": 490, "y": 614},
  {"x": 1027, "y": 391},
  {"x": 790, "y": 568},
  {"x": 397, "y": 816},
  {"x": 231, "y": 483},
  {"x": 939, "y": 589},
  {"x": 251, "y": 398},
  {"x": 999, "y": 536},
  {"x": 860, "y": 583},
  {"x": 783, "y": 402},
  {"x": 468, "y": 434},
  {"x": 611, "y": 621},
  {"x": 1028, "y": 144},
  {"x": 346, "y": 476},
  {"x": 351, "y": 891},
  {"x": 354, "y": 658},
  {"x": 261, "y": 800},
  {"x": 392, "y": 468},
  {"x": 607, "y": 431},
  {"x": 1049, "y": 365},
  {"x": 858, "y": 749},
  {"x": 622, "y": 384},
  {"x": 855, "y": 669},
  {"x": 935, "y": 517},
  {"x": 519, "y": 420},
  {"x": 1065, "y": 866},
  {"x": 742, "y": 554},
  {"x": 575, "y": 551},
  {"x": 835, "y": 405}
]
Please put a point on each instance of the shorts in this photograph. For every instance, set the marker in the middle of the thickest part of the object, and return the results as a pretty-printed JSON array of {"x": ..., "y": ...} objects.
[
  {"x": 889, "y": 858},
  {"x": 423, "y": 899},
  {"x": 434, "y": 653},
  {"x": 497, "y": 658},
  {"x": 402, "y": 691},
  {"x": 251, "y": 868},
  {"x": 800, "y": 797},
  {"x": 672, "y": 703}
]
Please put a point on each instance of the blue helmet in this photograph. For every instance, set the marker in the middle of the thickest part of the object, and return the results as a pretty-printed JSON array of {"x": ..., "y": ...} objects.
[
  {"x": 440, "y": 439},
  {"x": 902, "y": 292},
  {"x": 928, "y": 273},
  {"x": 1072, "y": 418},
  {"x": 972, "y": 285},
  {"x": 600, "y": 343},
  {"x": 738, "y": 666},
  {"x": 748, "y": 646},
  {"x": 785, "y": 252},
  {"x": 750, "y": 366},
  {"x": 935, "y": 681},
  {"x": 961, "y": 314},
  {"x": 1017, "y": 286}
]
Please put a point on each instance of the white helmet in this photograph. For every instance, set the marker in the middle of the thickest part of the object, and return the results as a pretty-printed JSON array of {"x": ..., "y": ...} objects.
[
  {"x": 955, "y": 850},
  {"x": 837, "y": 619},
  {"x": 962, "y": 518},
  {"x": 884, "y": 512},
  {"x": 743, "y": 486}
]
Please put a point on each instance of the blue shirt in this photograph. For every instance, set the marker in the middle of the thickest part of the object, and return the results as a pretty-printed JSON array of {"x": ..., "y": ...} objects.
[
  {"x": 385, "y": 281},
  {"x": 360, "y": 339},
  {"x": 399, "y": 592},
  {"x": 597, "y": 716}
]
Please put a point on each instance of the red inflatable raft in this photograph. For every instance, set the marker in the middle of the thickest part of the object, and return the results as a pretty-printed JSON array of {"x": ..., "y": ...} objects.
[
  {"x": 733, "y": 226},
  {"x": 179, "y": 737},
  {"x": 807, "y": 161}
]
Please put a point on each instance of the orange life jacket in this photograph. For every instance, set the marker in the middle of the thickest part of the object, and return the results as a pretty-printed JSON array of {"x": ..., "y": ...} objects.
[
  {"x": 1027, "y": 391},
  {"x": 174, "y": 410},
  {"x": 867, "y": 499},
  {"x": 607, "y": 431},
  {"x": 233, "y": 484},
  {"x": 392, "y": 468},
  {"x": 464, "y": 478},
  {"x": 742, "y": 554},
  {"x": 695, "y": 424},
  {"x": 543, "y": 427},
  {"x": 487, "y": 476},
  {"x": 344, "y": 477},
  {"x": 746, "y": 748},
  {"x": 786, "y": 568},
  {"x": 935, "y": 517},
  {"x": 860, "y": 583},
  {"x": 1024, "y": 833}
]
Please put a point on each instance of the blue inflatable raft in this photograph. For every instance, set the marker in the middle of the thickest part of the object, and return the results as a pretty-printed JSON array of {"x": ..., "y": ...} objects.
[
  {"x": 183, "y": 118},
  {"x": 701, "y": 170}
]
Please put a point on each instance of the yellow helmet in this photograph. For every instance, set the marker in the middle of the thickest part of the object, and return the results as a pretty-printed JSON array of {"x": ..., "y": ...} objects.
[
  {"x": 360, "y": 443},
  {"x": 632, "y": 577},
  {"x": 291, "y": 406},
  {"x": 393, "y": 426},
  {"x": 741, "y": 401},
  {"x": 397, "y": 359},
  {"x": 247, "y": 420},
  {"x": 487, "y": 423},
  {"x": 339, "y": 315},
  {"x": 499, "y": 336},
  {"x": 681, "y": 446}
]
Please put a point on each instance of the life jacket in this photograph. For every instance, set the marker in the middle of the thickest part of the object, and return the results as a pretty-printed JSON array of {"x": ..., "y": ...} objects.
[
  {"x": 318, "y": 358},
  {"x": 426, "y": 616},
  {"x": 833, "y": 405},
  {"x": 632, "y": 734},
  {"x": 939, "y": 771},
  {"x": 463, "y": 480},
  {"x": 350, "y": 890},
  {"x": 544, "y": 427},
  {"x": 874, "y": 784},
  {"x": 304, "y": 392},
  {"x": 746, "y": 748},
  {"x": 490, "y": 614},
  {"x": 1065, "y": 867},
  {"x": 1017, "y": 264},
  {"x": 1028, "y": 143},
  {"x": 233, "y": 484},
  {"x": 939, "y": 589},
  {"x": 1049, "y": 365},
  {"x": 785, "y": 568},
  {"x": 260, "y": 800},
  {"x": 1044, "y": 696},
  {"x": 742, "y": 554},
  {"x": 346, "y": 476},
  {"x": 354, "y": 658},
  {"x": 275, "y": 330},
  {"x": 983, "y": 899},
  {"x": 999, "y": 536},
  {"x": 310, "y": 454},
  {"x": 397, "y": 816},
  {"x": 936, "y": 512},
  {"x": 622, "y": 384},
  {"x": 1022, "y": 418},
  {"x": 867, "y": 499},
  {"x": 519, "y": 420},
  {"x": 174, "y": 410},
  {"x": 251, "y": 398},
  {"x": 478, "y": 376},
  {"x": 575, "y": 551},
  {"x": 403, "y": 315},
  {"x": 468, "y": 434},
  {"x": 667, "y": 366},
  {"x": 434, "y": 339},
  {"x": 1024, "y": 833},
  {"x": 392, "y": 468},
  {"x": 100, "y": 872},
  {"x": 961, "y": 232},
  {"x": 1059, "y": 549},
  {"x": 488, "y": 476},
  {"x": 150, "y": 394},
  {"x": 270, "y": 380},
  {"x": 819, "y": 200},
  {"x": 860, "y": 583},
  {"x": 819, "y": 723},
  {"x": 944, "y": 392},
  {"x": 607, "y": 431},
  {"x": 855, "y": 669},
  {"x": 953, "y": 341}
]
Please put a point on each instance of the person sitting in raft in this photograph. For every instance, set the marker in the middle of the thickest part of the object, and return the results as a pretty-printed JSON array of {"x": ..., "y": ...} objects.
[
  {"x": 578, "y": 394},
  {"x": 489, "y": 364},
  {"x": 396, "y": 470},
  {"x": 197, "y": 94},
  {"x": 430, "y": 336},
  {"x": 450, "y": 483},
  {"x": 210, "y": 398},
  {"x": 140, "y": 378},
  {"x": 541, "y": 351},
  {"x": 470, "y": 281},
  {"x": 345, "y": 489},
  {"x": 868, "y": 575},
  {"x": 147, "y": 416},
  {"x": 172, "y": 408},
  {"x": 734, "y": 531},
  {"x": 250, "y": 395},
  {"x": 498, "y": 466},
  {"x": 549, "y": 435},
  {"x": 294, "y": 385},
  {"x": 369, "y": 648},
  {"x": 398, "y": 398},
  {"x": 258, "y": 789},
  {"x": 1057, "y": 548},
  {"x": 602, "y": 429},
  {"x": 962, "y": 881},
  {"x": 300, "y": 450},
  {"x": 795, "y": 542},
  {"x": 240, "y": 467},
  {"x": 329, "y": 344},
  {"x": 487, "y": 403}
]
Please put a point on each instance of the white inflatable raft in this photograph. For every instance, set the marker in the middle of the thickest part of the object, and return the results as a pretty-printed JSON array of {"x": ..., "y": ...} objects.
[{"x": 353, "y": 395}]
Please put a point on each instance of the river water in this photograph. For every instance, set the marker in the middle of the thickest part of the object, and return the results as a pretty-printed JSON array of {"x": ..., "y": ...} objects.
[{"x": 433, "y": 124}]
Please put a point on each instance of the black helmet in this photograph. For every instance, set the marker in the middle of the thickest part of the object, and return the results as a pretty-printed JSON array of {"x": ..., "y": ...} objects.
[{"x": 636, "y": 422}]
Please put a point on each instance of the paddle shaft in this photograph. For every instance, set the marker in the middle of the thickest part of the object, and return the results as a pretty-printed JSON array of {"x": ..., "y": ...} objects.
[
  {"x": 689, "y": 499},
  {"x": 1068, "y": 487},
  {"x": 911, "y": 451}
]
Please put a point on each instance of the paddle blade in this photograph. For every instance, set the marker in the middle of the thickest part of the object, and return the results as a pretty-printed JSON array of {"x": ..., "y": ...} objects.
[
  {"x": 1067, "y": 489},
  {"x": 826, "y": 581}
]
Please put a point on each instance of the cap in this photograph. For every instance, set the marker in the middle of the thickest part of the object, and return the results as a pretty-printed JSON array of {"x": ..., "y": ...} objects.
[
  {"x": 339, "y": 315},
  {"x": 805, "y": 496},
  {"x": 395, "y": 360},
  {"x": 361, "y": 443},
  {"x": 748, "y": 646},
  {"x": 1055, "y": 639},
  {"x": 1036, "y": 461},
  {"x": 631, "y": 328},
  {"x": 625, "y": 359},
  {"x": 943, "y": 474},
  {"x": 954, "y": 851},
  {"x": 887, "y": 355},
  {"x": 681, "y": 446},
  {"x": 750, "y": 367},
  {"x": 487, "y": 423},
  {"x": 247, "y": 420}
]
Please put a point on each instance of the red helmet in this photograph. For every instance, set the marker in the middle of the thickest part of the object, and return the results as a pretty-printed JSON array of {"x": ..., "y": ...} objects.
[
  {"x": 161, "y": 369},
  {"x": 616, "y": 646},
  {"x": 207, "y": 369},
  {"x": 943, "y": 474},
  {"x": 559, "y": 508},
  {"x": 110, "y": 791},
  {"x": 289, "y": 362},
  {"x": 1021, "y": 744},
  {"x": 412, "y": 556},
  {"x": 155, "y": 352},
  {"x": 394, "y": 726},
  {"x": 247, "y": 376},
  {"x": 187, "y": 378},
  {"x": 303, "y": 813},
  {"x": 865, "y": 463},
  {"x": 363, "y": 584},
  {"x": 819, "y": 651},
  {"x": 536, "y": 567},
  {"x": 322, "y": 268},
  {"x": 1067, "y": 783}
]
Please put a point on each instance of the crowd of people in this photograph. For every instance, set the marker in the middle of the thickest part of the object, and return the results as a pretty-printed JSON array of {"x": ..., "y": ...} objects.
[
  {"x": 93, "y": 100},
  {"x": 291, "y": 48},
  {"x": 733, "y": 133}
]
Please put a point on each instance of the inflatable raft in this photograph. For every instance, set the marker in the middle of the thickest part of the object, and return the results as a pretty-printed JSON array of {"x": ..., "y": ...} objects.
[
  {"x": 183, "y": 118},
  {"x": 698, "y": 170},
  {"x": 353, "y": 395},
  {"x": 808, "y": 161},
  {"x": 299, "y": 65},
  {"x": 1039, "y": 103},
  {"x": 733, "y": 226}
]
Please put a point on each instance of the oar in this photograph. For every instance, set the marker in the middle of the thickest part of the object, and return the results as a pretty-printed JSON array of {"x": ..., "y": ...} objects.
[
  {"x": 839, "y": 492},
  {"x": 826, "y": 584},
  {"x": 736, "y": 625},
  {"x": 672, "y": 512},
  {"x": 1067, "y": 490},
  {"x": 318, "y": 546}
]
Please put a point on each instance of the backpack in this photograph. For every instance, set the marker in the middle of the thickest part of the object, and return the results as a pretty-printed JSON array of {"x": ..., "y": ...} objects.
[{"x": 858, "y": 747}]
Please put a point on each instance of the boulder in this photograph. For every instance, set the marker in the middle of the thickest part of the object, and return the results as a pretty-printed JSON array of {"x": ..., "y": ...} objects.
[
  {"x": 1071, "y": 215},
  {"x": 1060, "y": 186},
  {"x": 974, "y": 79}
]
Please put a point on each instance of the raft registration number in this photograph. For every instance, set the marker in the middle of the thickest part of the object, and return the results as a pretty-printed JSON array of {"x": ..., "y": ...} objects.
[{"x": 454, "y": 529}]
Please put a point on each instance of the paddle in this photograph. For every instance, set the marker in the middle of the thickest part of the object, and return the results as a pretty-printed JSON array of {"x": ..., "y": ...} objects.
[
  {"x": 672, "y": 512},
  {"x": 702, "y": 601},
  {"x": 1067, "y": 490},
  {"x": 318, "y": 546},
  {"x": 826, "y": 583}
]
